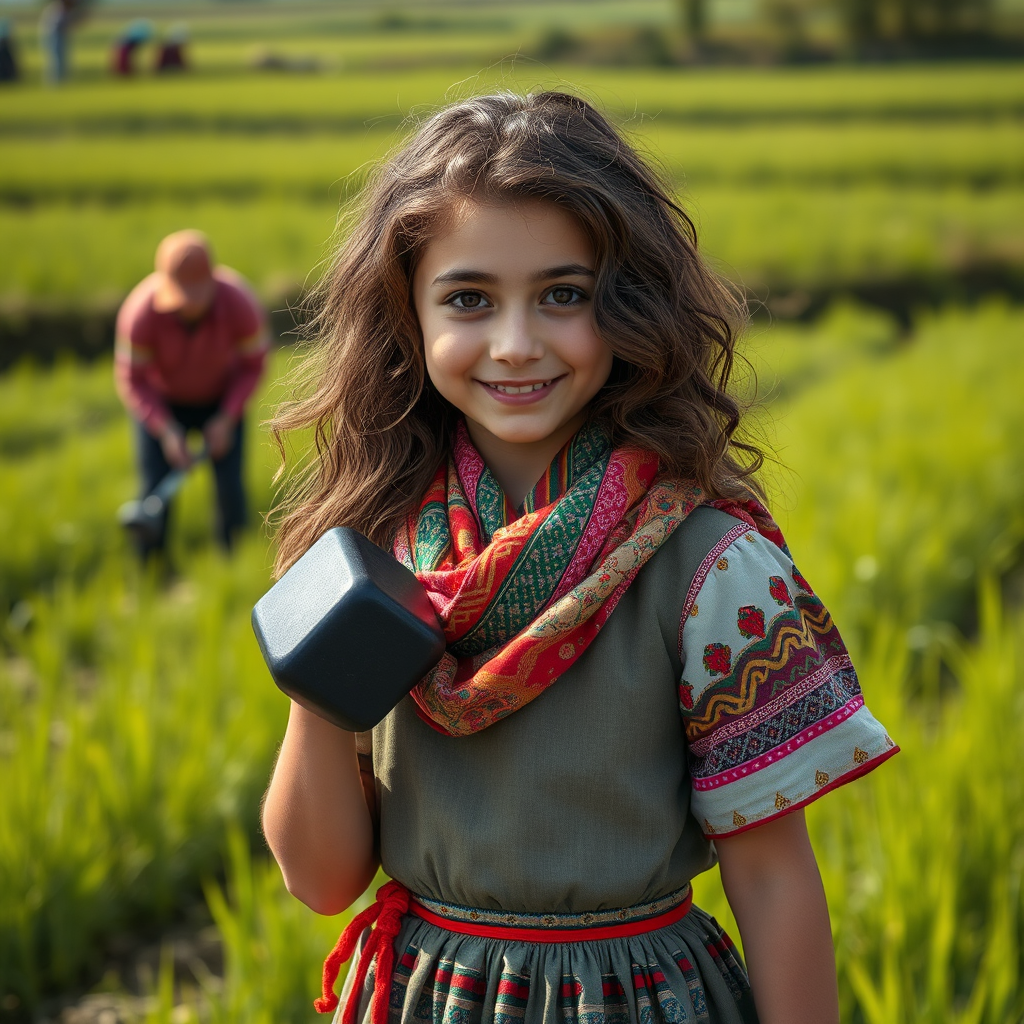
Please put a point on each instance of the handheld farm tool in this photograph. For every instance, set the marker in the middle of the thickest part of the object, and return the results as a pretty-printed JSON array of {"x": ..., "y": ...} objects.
[
  {"x": 348, "y": 630},
  {"x": 142, "y": 516}
]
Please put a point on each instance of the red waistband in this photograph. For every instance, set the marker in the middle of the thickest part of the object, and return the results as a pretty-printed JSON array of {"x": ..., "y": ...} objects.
[
  {"x": 518, "y": 933},
  {"x": 394, "y": 901}
]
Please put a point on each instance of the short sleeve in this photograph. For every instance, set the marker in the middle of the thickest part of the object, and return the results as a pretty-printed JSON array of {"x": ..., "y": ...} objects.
[{"x": 773, "y": 712}]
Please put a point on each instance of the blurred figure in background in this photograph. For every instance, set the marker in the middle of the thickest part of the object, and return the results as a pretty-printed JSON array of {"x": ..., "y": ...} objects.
[
  {"x": 122, "y": 57},
  {"x": 191, "y": 345},
  {"x": 8, "y": 54},
  {"x": 55, "y": 24},
  {"x": 171, "y": 54}
]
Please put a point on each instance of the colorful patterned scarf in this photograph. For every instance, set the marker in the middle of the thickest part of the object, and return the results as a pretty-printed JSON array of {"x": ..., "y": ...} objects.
[{"x": 522, "y": 593}]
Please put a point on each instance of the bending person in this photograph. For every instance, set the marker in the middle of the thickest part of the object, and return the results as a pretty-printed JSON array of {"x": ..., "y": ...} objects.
[{"x": 191, "y": 345}]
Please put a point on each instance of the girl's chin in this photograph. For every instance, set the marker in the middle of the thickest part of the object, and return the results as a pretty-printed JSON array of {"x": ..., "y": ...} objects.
[
  {"x": 525, "y": 434},
  {"x": 511, "y": 437}
]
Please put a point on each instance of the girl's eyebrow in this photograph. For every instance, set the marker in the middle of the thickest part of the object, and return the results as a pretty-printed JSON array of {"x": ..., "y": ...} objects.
[
  {"x": 482, "y": 277},
  {"x": 458, "y": 274},
  {"x": 566, "y": 270}
]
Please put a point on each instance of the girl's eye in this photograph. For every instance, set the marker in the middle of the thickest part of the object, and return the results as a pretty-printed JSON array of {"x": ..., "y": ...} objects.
[
  {"x": 565, "y": 295},
  {"x": 467, "y": 300}
]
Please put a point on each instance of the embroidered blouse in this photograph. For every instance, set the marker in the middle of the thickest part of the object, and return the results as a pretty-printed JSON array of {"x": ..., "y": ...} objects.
[{"x": 772, "y": 709}]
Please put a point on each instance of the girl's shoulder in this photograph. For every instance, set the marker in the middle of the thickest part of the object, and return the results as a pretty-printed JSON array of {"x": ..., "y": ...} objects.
[
  {"x": 668, "y": 582},
  {"x": 744, "y": 584},
  {"x": 705, "y": 530},
  {"x": 682, "y": 557},
  {"x": 702, "y": 541}
]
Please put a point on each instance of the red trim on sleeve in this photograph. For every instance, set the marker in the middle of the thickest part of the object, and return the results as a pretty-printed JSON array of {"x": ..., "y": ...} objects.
[{"x": 857, "y": 772}]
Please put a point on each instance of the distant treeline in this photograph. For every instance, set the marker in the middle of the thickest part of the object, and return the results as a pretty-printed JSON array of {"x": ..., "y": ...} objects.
[{"x": 878, "y": 28}]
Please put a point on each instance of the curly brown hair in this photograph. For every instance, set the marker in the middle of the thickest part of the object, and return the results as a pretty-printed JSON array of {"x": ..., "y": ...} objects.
[{"x": 380, "y": 427}]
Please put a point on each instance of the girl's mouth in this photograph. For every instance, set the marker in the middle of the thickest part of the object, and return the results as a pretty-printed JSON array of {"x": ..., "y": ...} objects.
[
  {"x": 526, "y": 393},
  {"x": 520, "y": 389}
]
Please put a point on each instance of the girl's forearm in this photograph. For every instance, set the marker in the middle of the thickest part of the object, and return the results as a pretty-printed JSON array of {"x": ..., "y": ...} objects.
[
  {"x": 315, "y": 815},
  {"x": 771, "y": 879},
  {"x": 787, "y": 943}
]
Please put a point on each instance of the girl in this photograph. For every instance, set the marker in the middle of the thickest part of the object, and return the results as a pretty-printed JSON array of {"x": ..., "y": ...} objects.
[{"x": 520, "y": 389}]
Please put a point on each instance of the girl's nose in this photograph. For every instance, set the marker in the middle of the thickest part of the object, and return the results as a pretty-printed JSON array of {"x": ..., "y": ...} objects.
[{"x": 514, "y": 339}]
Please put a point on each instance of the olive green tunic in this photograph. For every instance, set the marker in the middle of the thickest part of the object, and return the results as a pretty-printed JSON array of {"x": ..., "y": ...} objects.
[{"x": 579, "y": 801}]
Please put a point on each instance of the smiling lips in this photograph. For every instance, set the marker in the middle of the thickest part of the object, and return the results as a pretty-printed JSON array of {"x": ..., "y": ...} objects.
[{"x": 519, "y": 390}]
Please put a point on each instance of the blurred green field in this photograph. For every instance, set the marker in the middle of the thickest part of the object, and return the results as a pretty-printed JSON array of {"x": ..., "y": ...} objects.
[
  {"x": 822, "y": 178},
  {"x": 145, "y": 723},
  {"x": 189, "y": 165},
  {"x": 778, "y": 238},
  {"x": 137, "y": 722},
  {"x": 250, "y": 101},
  {"x": 353, "y": 34}
]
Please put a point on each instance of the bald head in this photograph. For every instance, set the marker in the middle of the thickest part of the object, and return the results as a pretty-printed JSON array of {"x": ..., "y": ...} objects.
[{"x": 185, "y": 268}]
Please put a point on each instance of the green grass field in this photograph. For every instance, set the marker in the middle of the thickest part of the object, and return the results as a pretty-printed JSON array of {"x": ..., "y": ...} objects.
[
  {"x": 780, "y": 237},
  {"x": 248, "y": 101},
  {"x": 813, "y": 178},
  {"x": 137, "y": 722},
  {"x": 123, "y": 704},
  {"x": 187, "y": 165}
]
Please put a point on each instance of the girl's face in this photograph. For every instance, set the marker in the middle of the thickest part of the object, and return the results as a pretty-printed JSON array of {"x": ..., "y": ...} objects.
[{"x": 503, "y": 297}]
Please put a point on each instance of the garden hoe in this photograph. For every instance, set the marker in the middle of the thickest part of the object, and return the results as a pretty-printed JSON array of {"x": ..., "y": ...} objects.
[{"x": 142, "y": 516}]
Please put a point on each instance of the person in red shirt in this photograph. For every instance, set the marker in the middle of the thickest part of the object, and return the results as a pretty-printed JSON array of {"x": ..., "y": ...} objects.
[{"x": 191, "y": 346}]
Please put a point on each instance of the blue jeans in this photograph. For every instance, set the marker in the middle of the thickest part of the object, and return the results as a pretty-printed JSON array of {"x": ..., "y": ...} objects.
[{"x": 227, "y": 472}]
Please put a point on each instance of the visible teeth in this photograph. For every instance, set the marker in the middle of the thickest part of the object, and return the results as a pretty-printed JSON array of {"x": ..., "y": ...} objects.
[{"x": 504, "y": 388}]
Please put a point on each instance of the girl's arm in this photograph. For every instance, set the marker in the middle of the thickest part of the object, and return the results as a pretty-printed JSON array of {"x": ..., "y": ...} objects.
[
  {"x": 772, "y": 882},
  {"x": 315, "y": 815}
]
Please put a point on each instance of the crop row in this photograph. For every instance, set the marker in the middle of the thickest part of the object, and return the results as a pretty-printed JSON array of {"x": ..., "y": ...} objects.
[
  {"x": 350, "y": 99},
  {"x": 344, "y": 30},
  {"x": 325, "y": 53},
  {"x": 783, "y": 237},
  {"x": 190, "y": 166}
]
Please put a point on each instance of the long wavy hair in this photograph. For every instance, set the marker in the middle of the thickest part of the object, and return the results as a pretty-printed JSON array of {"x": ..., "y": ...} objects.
[{"x": 380, "y": 427}]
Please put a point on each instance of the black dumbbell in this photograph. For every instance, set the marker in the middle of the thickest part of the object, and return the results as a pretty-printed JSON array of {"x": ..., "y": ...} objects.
[{"x": 348, "y": 630}]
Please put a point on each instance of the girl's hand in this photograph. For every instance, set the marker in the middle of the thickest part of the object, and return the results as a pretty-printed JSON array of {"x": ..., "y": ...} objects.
[{"x": 772, "y": 882}]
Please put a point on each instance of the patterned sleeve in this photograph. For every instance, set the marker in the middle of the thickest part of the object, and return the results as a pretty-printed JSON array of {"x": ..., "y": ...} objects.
[{"x": 773, "y": 712}]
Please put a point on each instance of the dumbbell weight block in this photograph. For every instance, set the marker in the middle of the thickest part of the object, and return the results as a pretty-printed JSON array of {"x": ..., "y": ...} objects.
[{"x": 348, "y": 630}]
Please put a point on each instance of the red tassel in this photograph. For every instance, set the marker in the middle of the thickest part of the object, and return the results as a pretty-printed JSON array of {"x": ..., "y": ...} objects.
[{"x": 388, "y": 911}]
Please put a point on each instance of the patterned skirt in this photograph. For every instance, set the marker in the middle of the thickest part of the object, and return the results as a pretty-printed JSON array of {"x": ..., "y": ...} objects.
[{"x": 458, "y": 965}]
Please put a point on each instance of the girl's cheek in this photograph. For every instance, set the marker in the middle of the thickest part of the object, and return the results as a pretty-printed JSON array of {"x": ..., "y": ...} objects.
[{"x": 452, "y": 349}]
